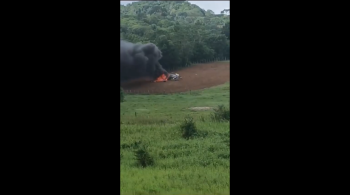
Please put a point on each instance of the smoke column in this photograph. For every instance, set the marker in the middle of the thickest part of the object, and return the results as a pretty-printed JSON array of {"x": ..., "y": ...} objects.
[{"x": 140, "y": 61}]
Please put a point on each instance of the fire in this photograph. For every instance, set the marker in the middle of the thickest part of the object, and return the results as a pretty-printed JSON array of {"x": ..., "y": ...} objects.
[{"x": 161, "y": 78}]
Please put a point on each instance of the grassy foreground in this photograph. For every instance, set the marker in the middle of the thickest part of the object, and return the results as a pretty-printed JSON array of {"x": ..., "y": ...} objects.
[{"x": 196, "y": 166}]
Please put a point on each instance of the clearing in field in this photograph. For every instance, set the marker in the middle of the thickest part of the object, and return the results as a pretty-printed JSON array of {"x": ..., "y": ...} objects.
[
  {"x": 173, "y": 164},
  {"x": 196, "y": 77}
]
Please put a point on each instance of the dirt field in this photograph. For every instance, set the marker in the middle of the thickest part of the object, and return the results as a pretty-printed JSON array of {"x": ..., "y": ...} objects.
[{"x": 193, "y": 78}]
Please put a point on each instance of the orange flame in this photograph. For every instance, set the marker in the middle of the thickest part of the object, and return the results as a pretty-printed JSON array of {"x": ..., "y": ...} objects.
[{"x": 161, "y": 78}]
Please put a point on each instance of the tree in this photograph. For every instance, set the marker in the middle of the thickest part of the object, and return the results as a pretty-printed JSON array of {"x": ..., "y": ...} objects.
[
  {"x": 225, "y": 11},
  {"x": 226, "y": 30}
]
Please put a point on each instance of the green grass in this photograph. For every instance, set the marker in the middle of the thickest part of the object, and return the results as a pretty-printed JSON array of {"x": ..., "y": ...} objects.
[{"x": 200, "y": 165}]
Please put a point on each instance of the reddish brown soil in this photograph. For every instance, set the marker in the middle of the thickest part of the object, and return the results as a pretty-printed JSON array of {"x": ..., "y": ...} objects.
[{"x": 193, "y": 78}]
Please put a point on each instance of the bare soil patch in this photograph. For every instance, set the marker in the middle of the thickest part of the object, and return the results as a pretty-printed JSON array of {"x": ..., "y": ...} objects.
[
  {"x": 200, "y": 108},
  {"x": 193, "y": 78}
]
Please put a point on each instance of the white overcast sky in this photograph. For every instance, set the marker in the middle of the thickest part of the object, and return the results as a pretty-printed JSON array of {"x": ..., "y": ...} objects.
[{"x": 215, "y": 6}]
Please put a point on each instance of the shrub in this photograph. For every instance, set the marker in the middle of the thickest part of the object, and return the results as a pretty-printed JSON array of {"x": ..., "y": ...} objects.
[
  {"x": 188, "y": 128},
  {"x": 221, "y": 114},
  {"x": 121, "y": 95},
  {"x": 143, "y": 158}
]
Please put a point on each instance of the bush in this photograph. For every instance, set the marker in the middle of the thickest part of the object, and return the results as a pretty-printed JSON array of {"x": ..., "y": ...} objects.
[
  {"x": 121, "y": 95},
  {"x": 221, "y": 114},
  {"x": 143, "y": 158},
  {"x": 188, "y": 128}
]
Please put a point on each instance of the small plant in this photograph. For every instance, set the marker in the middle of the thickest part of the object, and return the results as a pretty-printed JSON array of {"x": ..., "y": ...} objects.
[
  {"x": 221, "y": 114},
  {"x": 143, "y": 158},
  {"x": 188, "y": 128},
  {"x": 122, "y": 95}
]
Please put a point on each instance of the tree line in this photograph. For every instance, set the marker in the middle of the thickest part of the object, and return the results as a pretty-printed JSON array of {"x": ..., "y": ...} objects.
[{"x": 183, "y": 31}]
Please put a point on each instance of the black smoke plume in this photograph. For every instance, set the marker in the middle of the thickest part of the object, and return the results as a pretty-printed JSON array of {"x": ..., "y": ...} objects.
[{"x": 140, "y": 61}]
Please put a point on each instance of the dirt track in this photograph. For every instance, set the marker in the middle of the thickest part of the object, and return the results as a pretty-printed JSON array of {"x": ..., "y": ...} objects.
[{"x": 196, "y": 77}]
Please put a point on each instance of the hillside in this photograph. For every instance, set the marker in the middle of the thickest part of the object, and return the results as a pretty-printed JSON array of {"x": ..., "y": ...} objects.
[{"x": 183, "y": 31}]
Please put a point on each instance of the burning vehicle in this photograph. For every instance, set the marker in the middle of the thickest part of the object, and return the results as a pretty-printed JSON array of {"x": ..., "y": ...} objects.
[{"x": 171, "y": 77}]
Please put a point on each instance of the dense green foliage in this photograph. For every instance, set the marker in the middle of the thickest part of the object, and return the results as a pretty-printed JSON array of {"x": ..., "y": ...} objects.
[
  {"x": 183, "y": 31},
  {"x": 143, "y": 158},
  {"x": 188, "y": 128},
  {"x": 155, "y": 157}
]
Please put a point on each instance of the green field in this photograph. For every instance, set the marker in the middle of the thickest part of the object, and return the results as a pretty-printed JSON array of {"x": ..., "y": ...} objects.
[{"x": 200, "y": 165}]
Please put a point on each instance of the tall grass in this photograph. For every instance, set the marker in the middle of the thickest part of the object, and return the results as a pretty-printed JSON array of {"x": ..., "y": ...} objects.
[{"x": 165, "y": 152}]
